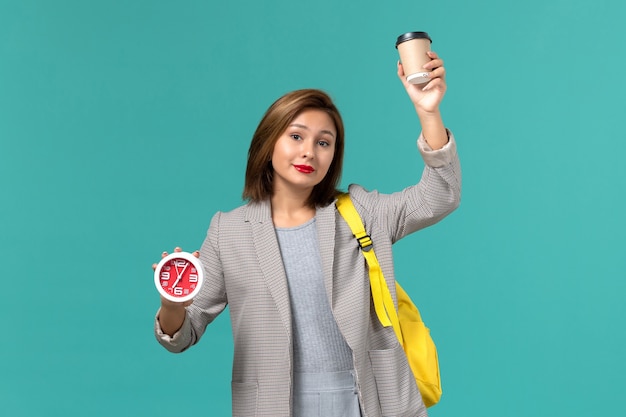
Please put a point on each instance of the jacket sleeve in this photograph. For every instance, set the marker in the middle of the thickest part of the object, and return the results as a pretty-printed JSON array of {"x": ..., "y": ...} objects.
[
  {"x": 437, "y": 194},
  {"x": 208, "y": 304}
]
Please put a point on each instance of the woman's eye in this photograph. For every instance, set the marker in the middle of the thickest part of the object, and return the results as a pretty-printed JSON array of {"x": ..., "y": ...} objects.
[
  {"x": 296, "y": 136},
  {"x": 323, "y": 143}
]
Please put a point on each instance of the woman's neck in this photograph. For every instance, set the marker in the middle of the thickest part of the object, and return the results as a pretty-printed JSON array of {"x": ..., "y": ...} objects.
[{"x": 290, "y": 210}]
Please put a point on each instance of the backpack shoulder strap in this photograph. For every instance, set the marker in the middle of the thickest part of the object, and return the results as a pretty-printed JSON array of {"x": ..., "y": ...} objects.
[{"x": 383, "y": 302}]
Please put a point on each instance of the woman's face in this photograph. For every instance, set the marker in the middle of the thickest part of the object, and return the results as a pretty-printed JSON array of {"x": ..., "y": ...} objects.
[{"x": 304, "y": 152}]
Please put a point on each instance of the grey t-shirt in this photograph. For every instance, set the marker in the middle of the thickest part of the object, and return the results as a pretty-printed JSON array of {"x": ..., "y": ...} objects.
[{"x": 318, "y": 344}]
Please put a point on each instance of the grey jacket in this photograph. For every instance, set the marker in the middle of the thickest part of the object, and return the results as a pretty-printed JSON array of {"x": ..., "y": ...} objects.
[{"x": 243, "y": 268}]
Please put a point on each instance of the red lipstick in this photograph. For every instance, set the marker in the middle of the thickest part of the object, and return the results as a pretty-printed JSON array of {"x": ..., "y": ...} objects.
[{"x": 305, "y": 169}]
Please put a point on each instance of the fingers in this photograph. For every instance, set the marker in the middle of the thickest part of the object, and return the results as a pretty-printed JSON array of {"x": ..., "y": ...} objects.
[
  {"x": 176, "y": 249},
  {"x": 435, "y": 66},
  {"x": 435, "y": 61},
  {"x": 163, "y": 255},
  {"x": 432, "y": 54},
  {"x": 195, "y": 253},
  {"x": 435, "y": 83},
  {"x": 437, "y": 73},
  {"x": 400, "y": 69},
  {"x": 402, "y": 76}
]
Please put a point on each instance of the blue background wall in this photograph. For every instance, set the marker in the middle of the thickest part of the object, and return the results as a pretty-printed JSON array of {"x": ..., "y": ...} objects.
[{"x": 523, "y": 287}]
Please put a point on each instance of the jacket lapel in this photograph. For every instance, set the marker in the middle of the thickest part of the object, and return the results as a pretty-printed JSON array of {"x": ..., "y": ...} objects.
[
  {"x": 325, "y": 221},
  {"x": 348, "y": 294},
  {"x": 265, "y": 243}
]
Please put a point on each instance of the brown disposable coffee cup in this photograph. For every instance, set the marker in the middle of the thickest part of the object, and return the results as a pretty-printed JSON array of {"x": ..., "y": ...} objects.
[{"x": 412, "y": 47}]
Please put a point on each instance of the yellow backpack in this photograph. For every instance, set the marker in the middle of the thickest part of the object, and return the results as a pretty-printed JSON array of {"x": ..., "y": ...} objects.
[{"x": 410, "y": 330}]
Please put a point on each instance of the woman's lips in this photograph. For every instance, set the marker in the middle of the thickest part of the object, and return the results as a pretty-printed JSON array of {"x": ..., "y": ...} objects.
[{"x": 305, "y": 169}]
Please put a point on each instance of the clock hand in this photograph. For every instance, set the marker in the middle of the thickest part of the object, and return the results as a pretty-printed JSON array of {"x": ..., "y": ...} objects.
[{"x": 180, "y": 274}]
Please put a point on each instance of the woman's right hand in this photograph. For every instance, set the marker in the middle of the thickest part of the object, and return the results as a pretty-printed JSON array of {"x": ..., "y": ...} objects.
[
  {"x": 172, "y": 314},
  {"x": 168, "y": 304}
]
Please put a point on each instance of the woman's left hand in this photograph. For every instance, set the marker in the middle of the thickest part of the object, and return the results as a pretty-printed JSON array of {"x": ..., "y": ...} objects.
[{"x": 426, "y": 97}]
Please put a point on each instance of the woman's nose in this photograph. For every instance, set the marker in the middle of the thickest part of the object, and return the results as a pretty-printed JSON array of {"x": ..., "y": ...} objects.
[{"x": 307, "y": 150}]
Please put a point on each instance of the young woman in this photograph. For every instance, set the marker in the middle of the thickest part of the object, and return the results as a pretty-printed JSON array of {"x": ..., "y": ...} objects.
[{"x": 307, "y": 340}]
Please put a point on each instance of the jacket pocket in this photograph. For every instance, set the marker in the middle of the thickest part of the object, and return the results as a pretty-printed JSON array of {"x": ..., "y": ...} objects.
[
  {"x": 397, "y": 390},
  {"x": 244, "y": 399}
]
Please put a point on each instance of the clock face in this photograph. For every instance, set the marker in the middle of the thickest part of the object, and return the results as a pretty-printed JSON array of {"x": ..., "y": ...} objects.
[{"x": 178, "y": 276}]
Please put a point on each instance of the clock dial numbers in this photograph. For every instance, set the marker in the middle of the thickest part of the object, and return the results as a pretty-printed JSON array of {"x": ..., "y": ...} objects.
[
  {"x": 176, "y": 263},
  {"x": 179, "y": 276}
]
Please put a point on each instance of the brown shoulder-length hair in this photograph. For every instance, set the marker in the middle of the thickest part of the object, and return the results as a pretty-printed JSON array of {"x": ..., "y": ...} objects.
[{"x": 259, "y": 171}]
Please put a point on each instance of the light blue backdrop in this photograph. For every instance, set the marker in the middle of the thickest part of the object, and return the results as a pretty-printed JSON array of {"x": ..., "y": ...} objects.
[{"x": 523, "y": 287}]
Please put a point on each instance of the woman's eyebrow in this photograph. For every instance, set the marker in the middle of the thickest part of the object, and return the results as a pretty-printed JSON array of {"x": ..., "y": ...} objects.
[{"x": 307, "y": 128}]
